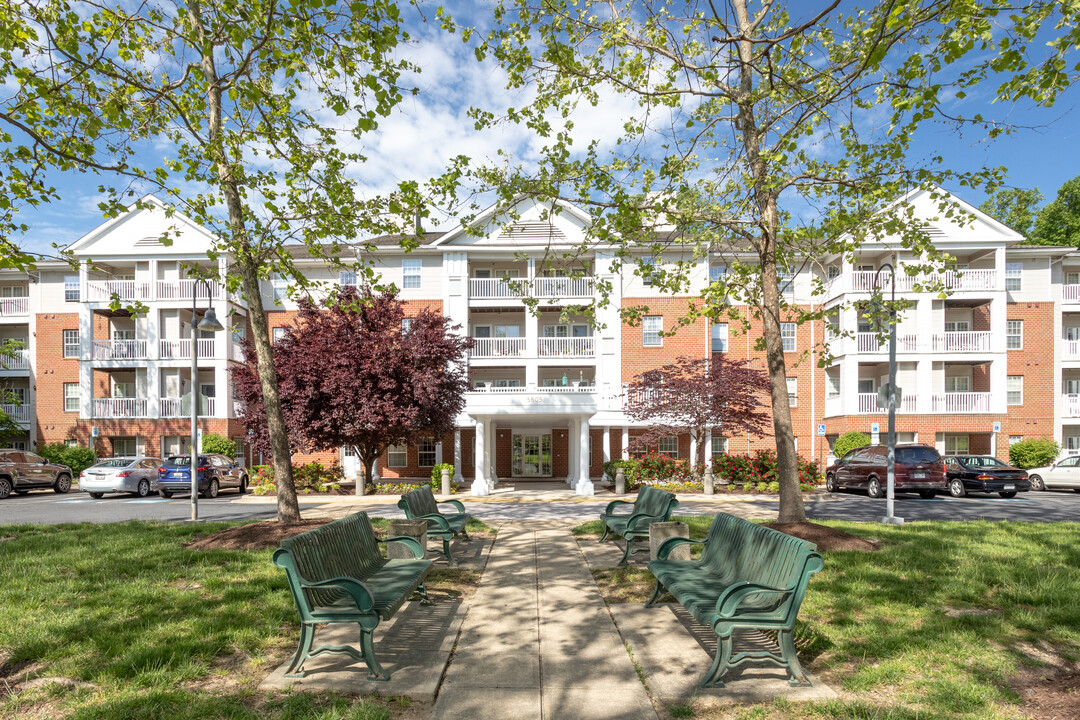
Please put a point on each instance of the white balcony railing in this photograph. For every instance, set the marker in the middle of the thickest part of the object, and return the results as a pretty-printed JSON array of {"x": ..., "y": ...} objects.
[
  {"x": 868, "y": 342},
  {"x": 967, "y": 341},
  {"x": 119, "y": 349},
  {"x": 18, "y": 360},
  {"x": 1071, "y": 350},
  {"x": 574, "y": 387},
  {"x": 566, "y": 347},
  {"x": 120, "y": 408},
  {"x": 1070, "y": 293},
  {"x": 557, "y": 287},
  {"x": 123, "y": 289},
  {"x": 868, "y": 404},
  {"x": 14, "y": 306},
  {"x": 175, "y": 407},
  {"x": 541, "y": 287},
  {"x": 497, "y": 347},
  {"x": 1070, "y": 406},
  {"x": 183, "y": 289},
  {"x": 960, "y": 402},
  {"x": 494, "y": 288},
  {"x": 181, "y": 349},
  {"x": 863, "y": 280},
  {"x": 18, "y": 413}
]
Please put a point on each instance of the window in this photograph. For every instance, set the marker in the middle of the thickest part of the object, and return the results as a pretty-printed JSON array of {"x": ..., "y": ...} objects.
[
  {"x": 717, "y": 273},
  {"x": 785, "y": 280},
  {"x": 646, "y": 270},
  {"x": 719, "y": 337},
  {"x": 281, "y": 287},
  {"x": 347, "y": 278},
  {"x": 1072, "y": 278},
  {"x": 425, "y": 453},
  {"x": 792, "y": 391},
  {"x": 276, "y": 334},
  {"x": 651, "y": 327},
  {"x": 719, "y": 445},
  {"x": 668, "y": 446},
  {"x": 406, "y": 323},
  {"x": 1014, "y": 334},
  {"x": 397, "y": 456},
  {"x": 1014, "y": 390},
  {"x": 787, "y": 335},
  {"x": 124, "y": 447},
  {"x": 410, "y": 274},
  {"x": 71, "y": 288},
  {"x": 71, "y": 442},
  {"x": 1012, "y": 276},
  {"x": 956, "y": 445},
  {"x": 957, "y": 384},
  {"x": 71, "y": 397},
  {"x": 832, "y": 272},
  {"x": 1013, "y": 439},
  {"x": 71, "y": 343}
]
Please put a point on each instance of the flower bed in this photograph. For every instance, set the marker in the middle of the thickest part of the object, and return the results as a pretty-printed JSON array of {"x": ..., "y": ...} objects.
[
  {"x": 733, "y": 473},
  {"x": 310, "y": 478}
]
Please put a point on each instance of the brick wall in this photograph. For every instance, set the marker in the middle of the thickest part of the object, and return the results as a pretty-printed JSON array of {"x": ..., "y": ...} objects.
[
  {"x": 52, "y": 371},
  {"x": 691, "y": 340},
  {"x": 1035, "y": 362}
]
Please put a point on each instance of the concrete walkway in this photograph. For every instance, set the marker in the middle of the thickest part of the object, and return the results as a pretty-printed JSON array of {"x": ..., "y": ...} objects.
[{"x": 538, "y": 641}]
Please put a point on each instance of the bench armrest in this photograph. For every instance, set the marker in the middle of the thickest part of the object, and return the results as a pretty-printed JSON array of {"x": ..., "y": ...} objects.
[
  {"x": 730, "y": 599},
  {"x": 611, "y": 506},
  {"x": 409, "y": 542},
  {"x": 351, "y": 586},
  {"x": 671, "y": 543},
  {"x": 639, "y": 521},
  {"x": 435, "y": 519},
  {"x": 456, "y": 503}
]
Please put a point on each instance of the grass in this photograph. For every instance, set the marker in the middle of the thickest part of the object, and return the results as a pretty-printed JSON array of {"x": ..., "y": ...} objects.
[
  {"x": 157, "y": 630},
  {"x": 876, "y": 625}
]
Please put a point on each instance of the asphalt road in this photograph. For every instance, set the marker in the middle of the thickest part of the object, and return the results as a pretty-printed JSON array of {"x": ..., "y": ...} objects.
[{"x": 46, "y": 507}]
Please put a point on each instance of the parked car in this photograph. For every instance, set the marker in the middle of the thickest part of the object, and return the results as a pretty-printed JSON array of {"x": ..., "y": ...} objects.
[
  {"x": 1062, "y": 474},
  {"x": 21, "y": 472},
  {"x": 985, "y": 474},
  {"x": 215, "y": 472},
  {"x": 137, "y": 475},
  {"x": 918, "y": 468}
]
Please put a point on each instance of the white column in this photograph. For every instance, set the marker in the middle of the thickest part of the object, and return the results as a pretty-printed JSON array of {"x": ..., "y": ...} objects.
[
  {"x": 571, "y": 454},
  {"x": 457, "y": 455},
  {"x": 584, "y": 484},
  {"x": 492, "y": 445},
  {"x": 625, "y": 442},
  {"x": 606, "y": 454},
  {"x": 480, "y": 484},
  {"x": 708, "y": 447},
  {"x": 693, "y": 449},
  {"x": 532, "y": 348},
  {"x": 374, "y": 471}
]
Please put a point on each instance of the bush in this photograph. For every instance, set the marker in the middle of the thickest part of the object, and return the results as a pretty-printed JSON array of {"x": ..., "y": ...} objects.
[
  {"x": 436, "y": 476},
  {"x": 76, "y": 457},
  {"x": 1033, "y": 453},
  {"x": 849, "y": 441},
  {"x": 218, "y": 444},
  {"x": 309, "y": 477},
  {"x": 631, "y": 470}
]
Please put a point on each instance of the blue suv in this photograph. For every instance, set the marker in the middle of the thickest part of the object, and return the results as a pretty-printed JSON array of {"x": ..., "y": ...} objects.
[{"x": 216, "y": 472}]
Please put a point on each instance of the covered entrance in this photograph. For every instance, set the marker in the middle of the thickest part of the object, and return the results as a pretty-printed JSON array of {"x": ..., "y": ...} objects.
[{"x": 531, "y": 455}]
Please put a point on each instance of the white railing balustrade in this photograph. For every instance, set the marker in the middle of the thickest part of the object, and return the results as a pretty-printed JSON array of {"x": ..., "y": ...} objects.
[
  {"x": 1070, "y": 293},
  {"x": 120, "y": 407},
  {"x": 496, "y": 288},
  {"x": 965, "y": 341},
  {"x": 868, "y": 404},
  {"x": 541, "y": 287},
  {"x": 1072, "y": 350},
  {"x": 566, "y": 347},
  {"x": 960, "y": 402},
  {"x": 119, "y": 349},
  {"x": 18, "y": 360},
  {"x": 868, "y": 342},
  {"x": 497, "y": 347},
  {"x": 18, "y": 413},
  {"x": 123, "y": 289},
  {"x": 183, "y": 289},
  {"x": 14, "y": 306},
  {"x": 863, "y": 280},
  {"x": 175, "y": 407},
  {"x": 1070, "y": 405},
  {"x": 181, "y": 349},
  {"x": 563, "y": 287}
]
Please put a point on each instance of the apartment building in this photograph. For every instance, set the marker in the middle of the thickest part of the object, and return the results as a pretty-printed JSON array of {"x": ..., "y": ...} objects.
[{"x": 996, "y": 360}]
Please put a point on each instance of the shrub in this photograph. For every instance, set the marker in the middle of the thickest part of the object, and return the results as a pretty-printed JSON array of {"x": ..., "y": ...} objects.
[
  {"x": 849, "y": 441},
  {"x": 631, "y": 470},
  {"x": 218, "y": 444},
  {"x": 76, "y": 457},
  {"x": 1033, "y": 453},
  {"x": 774, "y": 487},
  {"x": 436, "y": 475},
  {"x": 309, "y": 477}
]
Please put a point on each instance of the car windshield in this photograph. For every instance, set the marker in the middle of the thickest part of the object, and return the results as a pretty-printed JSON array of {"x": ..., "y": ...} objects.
[
  {"x": 980, "y": 461},
  {"x": 916, "y": 455},
  {"x": 115, "y": 462},
  {"x": 181, "y": 460}
]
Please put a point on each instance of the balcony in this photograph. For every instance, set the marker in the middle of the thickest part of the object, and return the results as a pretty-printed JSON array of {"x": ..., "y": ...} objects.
[
  {"x": 566, "y": 347},
  {"x": 1070, "y": 293},
  {"x": 16, "y": 362},
  {"x": 14, "y": 307},
  {"x": 868, "y": 404},
  {"x": 174, "y": 407},
  {"x": 181, "y": 349},
  {"x": 183, "y": 290},
  {"x": 498, "y": 347},
  {"x": 119, "y": 349},
  {"x": 1070, "y": 406},
  {"x": 1071, "y": 350},
  {"x": 868, "y": 342},
  {"x": 862, "y": 281},
  {"x": 121, "y": 408},
  {"x": 961, "y": 342},
  {"x": 960, "y": 402},
  {"x": 18, "y": 413},
  {"x": 98, "y": 290},
  {"x": 542, "y": 287}
]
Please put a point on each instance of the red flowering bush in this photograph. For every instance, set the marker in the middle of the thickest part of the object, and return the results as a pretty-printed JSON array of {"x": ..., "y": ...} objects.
[{"x": 748, "y": 472}]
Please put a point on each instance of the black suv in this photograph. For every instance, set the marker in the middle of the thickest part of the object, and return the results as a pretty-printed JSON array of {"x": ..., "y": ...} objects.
[
  {"x": 215, "y": 472},
  {"x": 21, "y": 472}
]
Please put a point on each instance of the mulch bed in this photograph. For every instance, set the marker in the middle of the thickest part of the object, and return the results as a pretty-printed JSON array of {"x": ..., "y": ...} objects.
[
  {"x": 825, "y": 537},
  {"x": 256, "y": 536}
]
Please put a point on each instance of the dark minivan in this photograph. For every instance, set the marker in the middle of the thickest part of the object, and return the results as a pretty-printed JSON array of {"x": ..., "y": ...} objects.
[{"x": 919, "y": 468}]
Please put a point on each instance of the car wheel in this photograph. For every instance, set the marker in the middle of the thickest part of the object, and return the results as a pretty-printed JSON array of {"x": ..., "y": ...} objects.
[
  {"x": 928, "y": 494},
  {"x": 1010, "y": 494},
  {"x": 830, "y": 483},
  {"x": 5, "y": 488},
  {"x": 144, "y": 488},
  {"x": 243, "y": 484},
  {"x": 873, "y": 487},
  {"x": 97, "y": 496},
  {"x": 165, "y": 493},
  {"x": 1037, "y": 483},
  {"x": 62, "y": 484},
  {"x": 212, "y": 489},
  {"x": 956, "y": 488}
]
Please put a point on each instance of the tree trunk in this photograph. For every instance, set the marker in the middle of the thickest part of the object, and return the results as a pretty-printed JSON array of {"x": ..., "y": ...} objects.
[
  {"x": 228, "y": 183},
  {"x": 365, "y": 478}
]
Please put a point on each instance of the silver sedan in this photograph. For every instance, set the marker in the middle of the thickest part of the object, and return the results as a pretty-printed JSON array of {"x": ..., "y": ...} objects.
[{"x": 127, "y": 475}]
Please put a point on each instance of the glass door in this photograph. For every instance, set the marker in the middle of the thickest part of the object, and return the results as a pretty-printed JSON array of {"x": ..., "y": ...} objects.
[{"x": 531, "y": 455}]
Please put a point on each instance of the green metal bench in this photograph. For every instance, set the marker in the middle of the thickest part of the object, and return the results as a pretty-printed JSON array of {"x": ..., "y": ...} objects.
[
  {"x": 651, "y": 506},
  {"x": 748, "y": 576},
  {"x": 420, "y": 505},
  {"x": 337, "y": 575}
]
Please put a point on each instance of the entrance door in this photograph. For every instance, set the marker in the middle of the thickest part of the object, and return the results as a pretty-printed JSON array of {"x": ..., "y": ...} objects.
[{"x": 531, "y": 455}]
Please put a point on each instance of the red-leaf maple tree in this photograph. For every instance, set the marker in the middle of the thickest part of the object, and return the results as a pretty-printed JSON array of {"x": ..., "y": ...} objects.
[
  {"x": 350, "y": 375},
  {"x": 693, "y": 394}
]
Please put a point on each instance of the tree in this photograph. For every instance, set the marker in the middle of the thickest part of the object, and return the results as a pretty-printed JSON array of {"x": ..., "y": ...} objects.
[
  {"x": 352, "y": 375},
  {"x": 1059, "y": 222},
  {"x": 1016, "y": 207},
  {"x": 1034, "y": 452},
  {"x": 849, "y": 441},
  {"x": 218, "y": 444},
  {"x": 262, "y": 108},
  {"x": 692, "y": 395}
]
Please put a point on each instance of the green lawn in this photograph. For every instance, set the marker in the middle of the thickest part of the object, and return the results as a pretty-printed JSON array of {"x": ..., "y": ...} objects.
[
  {"x": 160, "y": 631},
  {"x": 937, "y": 624}
]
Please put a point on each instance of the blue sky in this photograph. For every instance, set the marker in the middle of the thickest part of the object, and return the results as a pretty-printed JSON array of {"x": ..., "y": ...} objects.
[{"x": 429, "y": 129}]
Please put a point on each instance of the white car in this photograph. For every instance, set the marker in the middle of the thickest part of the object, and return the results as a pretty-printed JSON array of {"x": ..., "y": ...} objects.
[
  {"x": 127, "y": 475},
  {"x": 1062, "y": 474}
]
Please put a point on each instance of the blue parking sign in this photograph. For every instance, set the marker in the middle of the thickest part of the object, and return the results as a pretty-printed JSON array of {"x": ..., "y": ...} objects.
[{"x": 821, "y": 429}]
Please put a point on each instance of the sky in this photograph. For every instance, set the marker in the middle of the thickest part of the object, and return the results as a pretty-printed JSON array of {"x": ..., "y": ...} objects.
[{"x": 433, "y": 126}]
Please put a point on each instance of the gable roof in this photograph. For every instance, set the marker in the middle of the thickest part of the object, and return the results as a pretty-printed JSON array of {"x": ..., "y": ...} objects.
[
  {"x": 139, "y": 231},
  {"x": 527, "y": 223}
]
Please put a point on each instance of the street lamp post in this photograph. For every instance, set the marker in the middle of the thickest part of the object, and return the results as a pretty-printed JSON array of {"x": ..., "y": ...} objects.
[
  {"x": 210, "y": 323},
  {"x": 890, "y": 491}
]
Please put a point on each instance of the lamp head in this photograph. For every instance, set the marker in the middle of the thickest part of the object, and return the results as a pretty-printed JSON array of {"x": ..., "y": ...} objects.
[{"x": 210, "y": 322}]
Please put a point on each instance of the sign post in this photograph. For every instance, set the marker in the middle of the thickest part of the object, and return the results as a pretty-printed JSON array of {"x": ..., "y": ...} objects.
[{"x": 821, "y": 455}]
